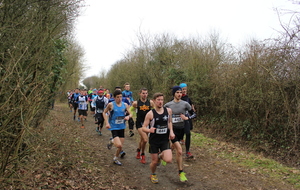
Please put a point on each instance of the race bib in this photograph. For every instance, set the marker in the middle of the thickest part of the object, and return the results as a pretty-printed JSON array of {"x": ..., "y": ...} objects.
[
  {"x": 119, "y": 120},
  {"x": 176, "y": 119},
  {"x": 99, "y": 110},
  {"x": 161, "y": 130}
]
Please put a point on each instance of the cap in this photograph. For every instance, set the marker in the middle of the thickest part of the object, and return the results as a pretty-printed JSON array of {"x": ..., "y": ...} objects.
[
  {"x": 182, "y": 85},
  {"x": 100, "y": 91},
  {"x": 175, "y": 88}
]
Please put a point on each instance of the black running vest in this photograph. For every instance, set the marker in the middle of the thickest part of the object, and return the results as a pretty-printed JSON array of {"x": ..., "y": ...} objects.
[
  {"x": 142, "y": 109},
  {"x": 162, "y": 132}
]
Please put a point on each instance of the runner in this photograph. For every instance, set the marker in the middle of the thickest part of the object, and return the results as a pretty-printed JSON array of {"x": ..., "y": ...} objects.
[
  {"x": 160, "y": 131},
  {"x": 128, "y": 95},
  {"x": 179, "y": 108},
  {"x": 91, "y": 96},
  {"x": 70, "y": 103},
  {"x": 75, "y": 103},
  {"x": 125, "y": 100},
  {"x": 99, "y": 104},
  {"x": 90, "y": 91},
  {"x": 116, "y": 123},
  {"x": 82, "y": 106},
  {"x": 143, "y": 106},
  {"x": 188, "y": 125},
  {"x": 108, "y": 95}
]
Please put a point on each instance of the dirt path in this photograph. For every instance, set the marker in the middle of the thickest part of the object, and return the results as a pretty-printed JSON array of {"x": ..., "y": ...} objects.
[{"x": 97, "y": 170}]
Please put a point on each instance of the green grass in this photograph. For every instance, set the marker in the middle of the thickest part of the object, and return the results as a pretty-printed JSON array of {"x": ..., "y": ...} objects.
[{"x": 255, "y": 163}]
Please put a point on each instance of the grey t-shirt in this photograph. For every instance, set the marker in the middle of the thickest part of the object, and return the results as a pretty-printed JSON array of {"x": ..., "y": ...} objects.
[{"x": 178, "y": 108}]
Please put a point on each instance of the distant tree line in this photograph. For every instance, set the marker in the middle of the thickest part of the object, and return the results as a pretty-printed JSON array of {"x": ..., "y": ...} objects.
[{"x": 252, "y": 93}]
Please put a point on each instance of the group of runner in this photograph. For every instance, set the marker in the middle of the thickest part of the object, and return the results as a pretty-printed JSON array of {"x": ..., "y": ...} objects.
[
  {"x": 81, "y": 100},
  {"x": 156, "y": 123}
]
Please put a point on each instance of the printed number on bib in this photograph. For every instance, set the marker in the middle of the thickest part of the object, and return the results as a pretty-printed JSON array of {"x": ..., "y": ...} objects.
[
  {"x": 176, "y": 119},
  {"x": 161, "y": 130},
  {"x": 120, "y": 120}
]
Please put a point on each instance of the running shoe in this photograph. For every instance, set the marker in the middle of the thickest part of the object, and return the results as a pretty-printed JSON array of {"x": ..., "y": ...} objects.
[
  {"x": 163, "y": 163},
  {"x": 110, "y": 143},
  {"x": 138, "y": 155},
  {"x": 154, "y": 178},
  {"x": 122, "y": 154},
  {"x": 117, "y": 162},
  {"x": 182, "y": 177},
  {"x": 189, "y": 155},
  {"x": 82, "y": 127},
  {"x": 100, "y": 133},
  {"x": 131, "y": 133},
  {"x": 143, "y": 159}
]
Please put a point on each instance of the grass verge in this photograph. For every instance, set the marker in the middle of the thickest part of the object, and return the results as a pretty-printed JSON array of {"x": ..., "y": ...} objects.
[{"x": 255, "y": 163}]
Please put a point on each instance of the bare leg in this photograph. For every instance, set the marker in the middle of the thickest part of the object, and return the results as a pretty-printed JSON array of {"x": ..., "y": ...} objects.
[{"x": 178, "y": 155}]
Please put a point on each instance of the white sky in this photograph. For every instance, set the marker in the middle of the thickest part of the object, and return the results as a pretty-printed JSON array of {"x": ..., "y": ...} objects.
[{"x": 107, "y": 28}]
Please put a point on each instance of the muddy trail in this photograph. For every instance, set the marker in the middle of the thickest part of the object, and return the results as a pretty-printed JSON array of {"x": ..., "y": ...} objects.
[{"x": 78, "y": 158}]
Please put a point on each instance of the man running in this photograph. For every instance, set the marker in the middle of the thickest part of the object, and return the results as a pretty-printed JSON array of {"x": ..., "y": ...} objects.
[
  {"x": 125, "y": 100},
  {"x": 70, "y": 103},
  {"x": 179, "y": 108},
  {"x": 75, "y": 103},
  {"x": 99, "y": 104},
  {"x": 143, "y": 106},
  {"x": 116, "y": 123},
  {"x": 91, "y": 96},
  {"x": 160, "y": 131},
  {"x": 188, "y": 125},
  {"x": 82, "y": 106},
  {"x": 128, "y": 95}
]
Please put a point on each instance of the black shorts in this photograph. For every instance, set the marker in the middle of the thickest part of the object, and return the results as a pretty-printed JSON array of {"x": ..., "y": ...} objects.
[
  {"x": 82, "y": 112},
  {"x": 92, "y": 108},
  {"x": 75, "y": 106},
  {"x": 179, "y": 133},
  {"x": 156, "y": 148},
  {"x": 139, "y": 124},
  {"x": 100, "y": 118},
  {"x": 118, "y": 133}
]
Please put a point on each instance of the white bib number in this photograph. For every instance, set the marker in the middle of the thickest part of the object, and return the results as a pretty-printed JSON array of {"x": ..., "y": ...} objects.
[
  {"x": 119, "y": 120},
  {"x": 176, "y": 119},
  {"x": 161, "y": 129}
]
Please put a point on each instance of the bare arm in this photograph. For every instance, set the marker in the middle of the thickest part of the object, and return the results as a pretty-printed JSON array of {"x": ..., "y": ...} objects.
[
  {"x": 170, "y": 125},
  {"x": 134, "y": 104},
  {"x": 128, "y": 110},
  {"x": 152, "y": 104},
  {"x": 148, "y": 118},
  {"x": 105, "y": 116}
]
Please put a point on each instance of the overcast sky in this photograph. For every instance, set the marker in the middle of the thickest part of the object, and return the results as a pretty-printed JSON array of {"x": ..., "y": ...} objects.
[{"x": 107, "y": 29}]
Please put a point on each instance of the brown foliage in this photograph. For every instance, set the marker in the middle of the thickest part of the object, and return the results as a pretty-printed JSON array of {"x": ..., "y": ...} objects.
[{"x": 31, "y": 69}]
